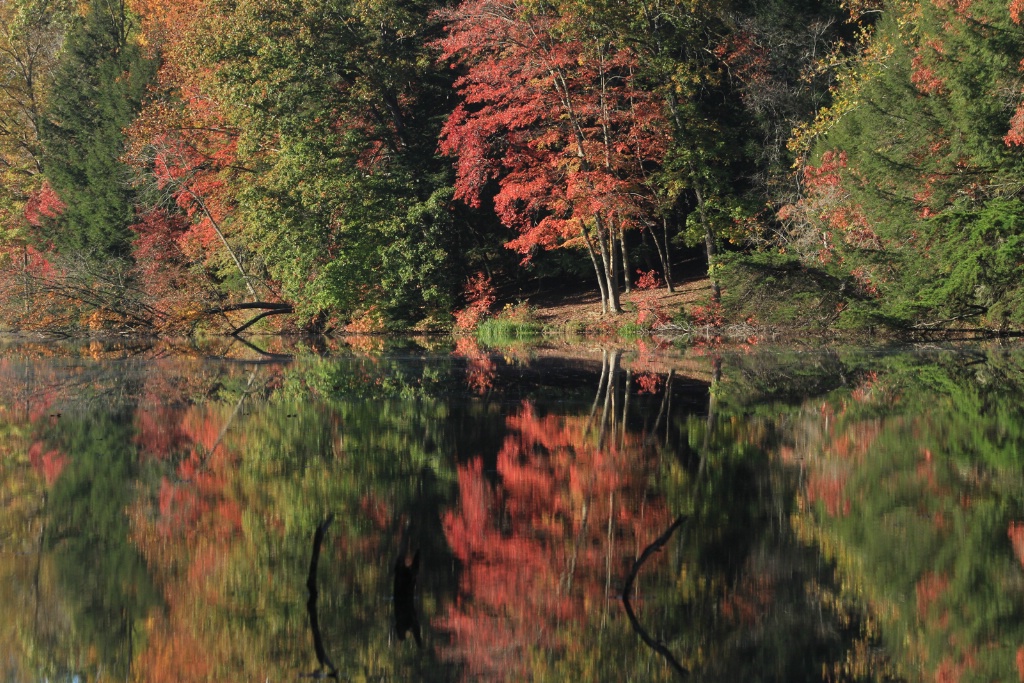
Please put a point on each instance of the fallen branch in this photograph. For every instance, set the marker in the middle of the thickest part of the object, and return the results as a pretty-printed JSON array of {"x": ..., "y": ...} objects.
[{"x": 269, "y": 308}]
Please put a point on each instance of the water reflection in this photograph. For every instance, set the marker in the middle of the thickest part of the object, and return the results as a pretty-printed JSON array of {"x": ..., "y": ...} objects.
[
  {"x": 406, "y": 619},
  {"x": 326, "y": 667},
  {"x": 614, "y": 515}
]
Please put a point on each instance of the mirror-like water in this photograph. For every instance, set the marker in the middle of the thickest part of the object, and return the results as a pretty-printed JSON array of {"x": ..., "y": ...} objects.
[{"x": 434, "y": 512}]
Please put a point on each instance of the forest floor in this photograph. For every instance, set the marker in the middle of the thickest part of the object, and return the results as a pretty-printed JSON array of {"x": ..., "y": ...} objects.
[{"x": 558, "y": 309}]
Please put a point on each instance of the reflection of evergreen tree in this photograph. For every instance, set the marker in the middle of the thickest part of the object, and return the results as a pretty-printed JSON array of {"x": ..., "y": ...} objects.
[
  {"x": 737, "y": 607},
  {"x": 105, "y": 577}
]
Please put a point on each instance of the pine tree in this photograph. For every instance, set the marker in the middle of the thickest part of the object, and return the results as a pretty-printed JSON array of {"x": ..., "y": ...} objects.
[{"x": 97, "y": 91}]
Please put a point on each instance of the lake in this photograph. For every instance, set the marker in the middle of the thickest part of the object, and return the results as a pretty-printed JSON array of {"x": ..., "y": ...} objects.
[{"x": 425, "y": 510}]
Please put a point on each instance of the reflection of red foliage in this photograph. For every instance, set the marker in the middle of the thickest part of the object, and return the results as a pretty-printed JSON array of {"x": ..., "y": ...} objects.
[
  {"x": 1016, "y": 534},
  {"x": 649, "y": 383},
  {"x": 158, "y": 431},
  {"x": 480, "y": 367},
  {"x": 828, "y": 488},
  {"x": 50, "y": 464},
  {"x": 536, "y": 548},
  {"x": 1020, "y": 663},
  {"x": 929, "y": 588},
  {"x": 172, "y": 655},
  {"x": 749, "y": 601}
]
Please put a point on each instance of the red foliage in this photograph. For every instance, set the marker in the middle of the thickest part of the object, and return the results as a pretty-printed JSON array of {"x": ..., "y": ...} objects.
[
  {"x": 747, "y": 60},
  {"x": 479, "y": 296},
  {"x": 924, "y": 77},
  {"x": 554, "y": 117},
  {"x": 1015, "y": 136},
  {"x": 709, "y": 315},
  {"x": 827, "y": 206},
  {"x": 648, "y": 280},
  {"x": 43, "y": 203}
]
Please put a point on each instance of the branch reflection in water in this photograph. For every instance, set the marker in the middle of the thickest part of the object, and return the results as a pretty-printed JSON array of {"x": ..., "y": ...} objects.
[
  {"x": 314, "y": 622},
  {"x": 655, "y": 645},
  {"x": 406, "y": 618}
]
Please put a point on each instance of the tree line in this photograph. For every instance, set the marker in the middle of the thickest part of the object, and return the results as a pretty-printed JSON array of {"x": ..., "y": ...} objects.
[{"x": 370, "y": 164}]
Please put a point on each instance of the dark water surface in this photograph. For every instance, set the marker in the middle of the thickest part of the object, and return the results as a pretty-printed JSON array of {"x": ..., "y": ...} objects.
[{"x": 419, "y": 510}]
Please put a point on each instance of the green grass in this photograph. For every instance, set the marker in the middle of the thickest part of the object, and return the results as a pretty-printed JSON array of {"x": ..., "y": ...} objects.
[{"x": 502, "y": 332}]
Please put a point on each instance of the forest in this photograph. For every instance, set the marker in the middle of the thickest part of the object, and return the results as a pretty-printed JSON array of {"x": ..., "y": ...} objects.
[{"x": 178, "y": 166}]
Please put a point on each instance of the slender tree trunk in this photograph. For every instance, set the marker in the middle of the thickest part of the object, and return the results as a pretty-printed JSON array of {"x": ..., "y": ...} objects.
[
  {"x": 666, "y": 258},
  {"x": 602, "y": 286},
  {"x": 223, "y": 240},
  {"x": 27, "y": 279},
  {"x": 606, "y": 240},
  {"x": 627, "y": 287},
  {"x": 710, "y": 244}
]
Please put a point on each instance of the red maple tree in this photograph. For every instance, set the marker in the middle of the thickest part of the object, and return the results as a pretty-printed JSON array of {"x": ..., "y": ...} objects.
[{"x": 558, "y": 120}]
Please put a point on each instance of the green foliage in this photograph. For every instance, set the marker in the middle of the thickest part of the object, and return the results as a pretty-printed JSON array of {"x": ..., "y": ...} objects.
[
  {"x": 103, "y": 574},
  {"x": 339, "y": 104},
  {"x": 780, "y": 290},
  {"x": 97, "y": 90},
  {"x": 918, "y": 202}
]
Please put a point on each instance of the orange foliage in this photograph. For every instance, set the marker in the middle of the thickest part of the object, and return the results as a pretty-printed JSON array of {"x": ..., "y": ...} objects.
[{"x": 171, "y": 655}]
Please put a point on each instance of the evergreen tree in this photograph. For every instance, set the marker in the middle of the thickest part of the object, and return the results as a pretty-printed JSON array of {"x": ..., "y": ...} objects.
[{"x": 97, "y": 91}]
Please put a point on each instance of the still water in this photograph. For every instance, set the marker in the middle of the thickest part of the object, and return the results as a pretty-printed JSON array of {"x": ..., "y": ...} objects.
[{"x": 418, "y": 510}]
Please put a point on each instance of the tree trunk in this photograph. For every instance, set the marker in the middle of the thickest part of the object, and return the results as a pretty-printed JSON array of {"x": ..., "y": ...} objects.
[
  {"x": 606, "y": 240},
  {"x": 599, "y": 272},
  {"x": 666, "y": 259},
  {"x": 710, "y": 245},
  {"x": 627, "y": 287}
]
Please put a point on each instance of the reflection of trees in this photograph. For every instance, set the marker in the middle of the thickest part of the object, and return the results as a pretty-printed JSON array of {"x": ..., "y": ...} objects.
[
  {"x": 226, "y": 470},
  {"x": 543, "y": 543},
  {"x": 226, "y": 530},
  {"x": 103, "y": 575},
  {"x": 912, "y": 488},
  {"x": 740, "y": 602}
]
